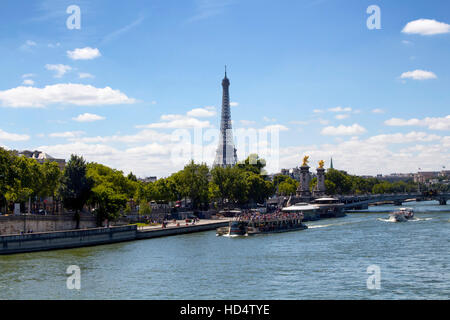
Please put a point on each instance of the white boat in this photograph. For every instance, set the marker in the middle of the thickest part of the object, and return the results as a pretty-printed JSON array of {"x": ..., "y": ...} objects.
[
  {"x": 402, "y": 215},
  {"x": 330, "y": 207},
  {"x": 310, "y": 212}
]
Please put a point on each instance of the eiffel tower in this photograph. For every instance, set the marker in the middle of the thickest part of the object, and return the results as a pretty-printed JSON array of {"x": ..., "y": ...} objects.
[{"x": 226, "y": 152}]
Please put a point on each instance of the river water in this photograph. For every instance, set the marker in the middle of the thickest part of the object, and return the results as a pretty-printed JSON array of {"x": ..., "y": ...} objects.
[{"x": 327, "y": 261}]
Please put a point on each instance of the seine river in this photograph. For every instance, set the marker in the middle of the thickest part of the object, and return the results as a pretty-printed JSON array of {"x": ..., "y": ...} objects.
[{"x": 327, "y": 261}]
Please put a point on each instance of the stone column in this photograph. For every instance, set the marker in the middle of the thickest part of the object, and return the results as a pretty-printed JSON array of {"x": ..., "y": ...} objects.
[
  {"x": 303, "y": 188},
  {"x": 320, "y": 188}
]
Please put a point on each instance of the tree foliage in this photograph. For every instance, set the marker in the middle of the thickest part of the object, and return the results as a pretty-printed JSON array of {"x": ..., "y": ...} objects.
[{"x": 76, "y": 187}]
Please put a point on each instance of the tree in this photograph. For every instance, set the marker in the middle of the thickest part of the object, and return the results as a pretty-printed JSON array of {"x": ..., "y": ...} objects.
[
  {"x": 253, "y": 163},
  {"x": 257, "y": 189},
  {"x": 342, "y": 182},
  {"x": 229, "y": 183},
  {"x": 6, "y": 162},
  {"x": 194, "y": 183},
  {"x": 51, "y": 176},
  {"x": 108, "y": 201},
  {"x": 76, "y": 187},
  {"x": 132, "y": 177},
  {"x": 144, "y": 208},
  {"x": 288, "y": 187}
]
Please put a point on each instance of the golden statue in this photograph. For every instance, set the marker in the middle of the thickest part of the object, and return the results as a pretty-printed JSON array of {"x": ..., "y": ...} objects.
[
  {"x": 321, "y": 164},
  {"x": 305, "y": 161}
]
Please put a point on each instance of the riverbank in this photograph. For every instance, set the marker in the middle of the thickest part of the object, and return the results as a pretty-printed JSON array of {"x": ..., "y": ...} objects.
[{"x": 43, "y": 241}]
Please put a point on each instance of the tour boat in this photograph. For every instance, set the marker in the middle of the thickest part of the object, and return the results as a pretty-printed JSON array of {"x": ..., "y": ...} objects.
[
  {"x": 402, "y": 215},
  {"x": 308, "y": 211},
  {"x": 330, "y": 207},
  {"x": 252, "y": 224}
]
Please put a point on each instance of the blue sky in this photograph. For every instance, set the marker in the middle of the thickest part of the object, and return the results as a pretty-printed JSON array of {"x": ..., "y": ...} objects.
[{"x": 377, "y": 101}]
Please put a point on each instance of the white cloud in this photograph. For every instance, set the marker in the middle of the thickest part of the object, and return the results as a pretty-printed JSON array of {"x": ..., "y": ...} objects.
[
  {"x": 177, "y": 121},
  {"x": 418, "y": 75},
  {"x": 376, "y": 154},
  {"x": 247, "y": 122},
  {"x": 342, "y": 116},
  {"x": 275, "y": 127},
  {"x": 28, "y": 82},
  {"x": 6, "y": 136},
  {"x": 430, "y": 122},
  {"x": 318, "y": 111},
  {"x": 379, "y": 111},
  {"x": 234, "y": 104},
  {"x": 54, "y": 45},
  {"x": 87, "y": 53},
  {"x": 202, "y": 112},
  {"x": 342, "y": 130},
  {"x": 142, "y": 136},
  {"x": 28, "y": 75},
  {"x": 267, "y": 119},
  {"x": 404, "y": 138},
  {"x": 60, "y": 69},
  {"x": 84, "y": 75},
  {"x": 426, "y": 27},
  {"x": 88, "y": 117},
  {"x": 367, "y": 156},
  {"x": 64, "y": 93},
  {"x": 28, "y": 44},
  {"x": 340, "y": 109},
  {"x": 67, "y": 134}
]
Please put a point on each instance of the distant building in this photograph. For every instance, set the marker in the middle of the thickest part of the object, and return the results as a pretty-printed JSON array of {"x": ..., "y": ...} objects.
[
  {"x": 393, "y": 177},
  {"x": 294, "y": 173},
  {"x": 149, "y": 179},
  {"x": 425, "y": 176},
  {"x": 41, "y": 157},
  {"x": 444, "y": 173}
]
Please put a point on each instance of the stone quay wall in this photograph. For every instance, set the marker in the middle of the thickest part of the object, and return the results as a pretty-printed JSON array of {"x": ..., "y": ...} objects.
[
  {"x": 23, "y": 223},
  {"x": 65, "y": 239},
  {"x": 157, "y": 233}
]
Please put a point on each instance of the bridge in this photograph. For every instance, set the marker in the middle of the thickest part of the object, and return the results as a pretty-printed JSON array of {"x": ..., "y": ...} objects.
[{"x": 361, "y": 202}]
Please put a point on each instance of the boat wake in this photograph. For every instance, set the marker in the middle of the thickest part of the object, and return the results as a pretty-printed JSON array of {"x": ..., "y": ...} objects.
[
  {"x": 413, "y": 219},
  {"x": 330, "y": 224},
  {"x": 231, "y": 235},
  {"x": 386, "y": 220},
  {"x": 320, "y": 226},
  {"x": 420, "y": 219}
]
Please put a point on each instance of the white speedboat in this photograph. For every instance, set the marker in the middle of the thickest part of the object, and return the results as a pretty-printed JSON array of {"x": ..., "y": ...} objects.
[{"x": 402, "y": 215}]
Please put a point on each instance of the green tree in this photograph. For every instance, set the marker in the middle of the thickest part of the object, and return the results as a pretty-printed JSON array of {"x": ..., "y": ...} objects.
[
  {"x": 194, "y": 183},
  {"x": 76, "y": 188},
  {"x": 144, "y": 208},
  {"x": 253, "y": 163},
  {"x": 288, "y": 187},
  {"x": 108, "y": 201},
  {"x": 342, "y": 183}
]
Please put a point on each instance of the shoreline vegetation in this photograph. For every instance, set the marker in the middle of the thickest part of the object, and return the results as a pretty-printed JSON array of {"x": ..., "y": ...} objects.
[{"x": 109, "y": 194}]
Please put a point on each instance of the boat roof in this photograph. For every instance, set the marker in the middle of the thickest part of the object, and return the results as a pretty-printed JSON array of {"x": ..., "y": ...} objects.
[
  {"x": 326, "y": 199},
  {"x": 305, "y": 207}
]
